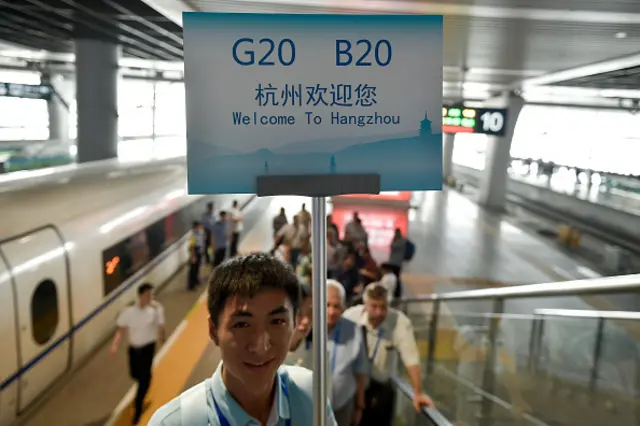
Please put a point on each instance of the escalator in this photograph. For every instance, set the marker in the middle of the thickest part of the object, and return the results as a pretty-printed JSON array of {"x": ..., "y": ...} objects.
[{"x": 497, "y": 365}]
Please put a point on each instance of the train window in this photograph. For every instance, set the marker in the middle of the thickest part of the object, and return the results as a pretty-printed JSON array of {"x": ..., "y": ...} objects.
[
  {"x": 44, "y": 311},
  {"x": 170, "y": 232},
  {"x": 112, "y": 268},
  {"x": 127, "y": 257},
  {"x": 139, "y": 251},
  {"x": 155, "y": 238}
]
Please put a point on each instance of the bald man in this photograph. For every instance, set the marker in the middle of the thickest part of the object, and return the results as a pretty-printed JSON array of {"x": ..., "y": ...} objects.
[{"x": 347, "y": 358}]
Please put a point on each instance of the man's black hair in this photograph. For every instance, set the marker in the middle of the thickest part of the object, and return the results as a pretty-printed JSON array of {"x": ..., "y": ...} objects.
[
  {"x": 195, "y": 224},
  {"x": 144, "y": 287},
  {"x": 247, "y": 275}
]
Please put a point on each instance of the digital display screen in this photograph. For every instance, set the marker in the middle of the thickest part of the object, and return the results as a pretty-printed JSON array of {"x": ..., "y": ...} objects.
[
  {"x": 30, "y": 91},
  {"x": 111, "y": 265},
  {"x": 488, "y": 121}
]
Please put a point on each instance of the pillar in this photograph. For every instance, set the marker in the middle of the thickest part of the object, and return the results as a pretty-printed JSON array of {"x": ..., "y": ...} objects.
[
  {"x": 447, "y": 155},
  {"x": 493, "y": 187},
  {"x": 97, "y": 99},
  {"x": 58, "y": 107}
]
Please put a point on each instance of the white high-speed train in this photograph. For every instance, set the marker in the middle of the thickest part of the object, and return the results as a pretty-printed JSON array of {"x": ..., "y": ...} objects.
[{"x": 74, "y": 245}]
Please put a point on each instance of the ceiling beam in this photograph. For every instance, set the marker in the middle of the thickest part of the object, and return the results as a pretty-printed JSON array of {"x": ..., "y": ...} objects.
[
  {"x": 124, "y": 27},
  {"x": 579, "y": 72},
  {"x": 172, "y": 9},
  {"x": 155, "y": 27},
  {"x": 123, "y": 39}
]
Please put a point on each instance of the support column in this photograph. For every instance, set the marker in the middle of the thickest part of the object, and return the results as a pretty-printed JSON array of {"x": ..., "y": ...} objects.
[
  {"x": 493, "y": 188},
  {"x": 58, "y": 107},
  {"x": 447, "y": 155},
  {"x": 97, "y": 99}
]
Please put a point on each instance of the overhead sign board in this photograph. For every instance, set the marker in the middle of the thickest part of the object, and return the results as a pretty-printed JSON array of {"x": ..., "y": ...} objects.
[
  {"x": 489, "y": 121},
  {"x": 30, "y": 91},
  {"x": 271, "y": 94}
]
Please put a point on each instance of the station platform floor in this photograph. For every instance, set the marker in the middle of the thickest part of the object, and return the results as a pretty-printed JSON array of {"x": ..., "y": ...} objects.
[
  {"x": 564, "y": 182},
  {"x": 458, "y": 246}
]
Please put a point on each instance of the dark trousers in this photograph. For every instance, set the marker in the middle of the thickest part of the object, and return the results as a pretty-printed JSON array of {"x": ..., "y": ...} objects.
[
  {"x": 207, "y": 244},
  {"x": 233, "y": 247},
  {"x": 397, "y": 271},
  {"x": 218, "y": 256},
  {"x": 194, "y": 272},
  {"x": 295, "y": 254},
  {"x": 380, "y": 399},
  {"x": 140, "y": 363}
]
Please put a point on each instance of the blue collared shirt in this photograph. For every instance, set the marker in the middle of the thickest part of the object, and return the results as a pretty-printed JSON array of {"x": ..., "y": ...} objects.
[
  {"x": 298, "y": 406},
  {"x": 350, "y": 360},
  {"x": 221, "y": 234},
  {"x": 208, "y": 220}
]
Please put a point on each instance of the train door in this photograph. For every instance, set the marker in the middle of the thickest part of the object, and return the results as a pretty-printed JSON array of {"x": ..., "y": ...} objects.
[
  {"x": 39, "y": 267},
  {"x": 9, "y": 354}
]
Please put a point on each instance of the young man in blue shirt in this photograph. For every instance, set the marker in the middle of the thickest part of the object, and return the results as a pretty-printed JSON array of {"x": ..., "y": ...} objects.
[{"x": 252, "y": 302}]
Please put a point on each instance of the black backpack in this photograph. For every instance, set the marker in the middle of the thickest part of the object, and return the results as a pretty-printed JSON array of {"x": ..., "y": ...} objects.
[{"x": 409, "y": 250}]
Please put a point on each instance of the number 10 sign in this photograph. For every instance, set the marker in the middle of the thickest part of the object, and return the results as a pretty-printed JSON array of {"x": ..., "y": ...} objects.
[{"x": 488, "y": 121}]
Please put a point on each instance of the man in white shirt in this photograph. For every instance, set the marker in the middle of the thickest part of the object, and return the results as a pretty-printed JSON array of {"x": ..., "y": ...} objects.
[
  {"x": 236, "y": 228},
  {"x": 144, "y": 323},
  {"x": 388, "y": 280},
  {"x": 389, "y": 332},
  {"x": 296, "y": 235}
]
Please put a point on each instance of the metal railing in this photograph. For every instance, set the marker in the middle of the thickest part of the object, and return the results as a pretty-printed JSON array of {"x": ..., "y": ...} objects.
[
  {"x": 608, "y": 285},
  {"x": 432, "y": 414}
]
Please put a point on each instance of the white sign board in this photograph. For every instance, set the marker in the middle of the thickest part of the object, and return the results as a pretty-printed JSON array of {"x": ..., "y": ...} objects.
[{"x": 271, "y": 94}]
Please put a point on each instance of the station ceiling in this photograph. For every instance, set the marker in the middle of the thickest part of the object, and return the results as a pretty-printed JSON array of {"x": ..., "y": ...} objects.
[
  {"x": 52, "y": 25},
  {"x": 623, "y": 79},
  {"x": 494, "y": 44}
]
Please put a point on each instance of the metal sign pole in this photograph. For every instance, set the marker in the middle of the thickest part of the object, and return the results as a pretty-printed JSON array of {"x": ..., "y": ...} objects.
[{"x": 319, "y": 290}]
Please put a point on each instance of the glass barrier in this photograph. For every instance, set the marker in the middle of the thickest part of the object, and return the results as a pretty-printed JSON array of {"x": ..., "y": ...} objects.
[
  {"x": 406, "y": 415},
  {"x": 511, "y": 369}
]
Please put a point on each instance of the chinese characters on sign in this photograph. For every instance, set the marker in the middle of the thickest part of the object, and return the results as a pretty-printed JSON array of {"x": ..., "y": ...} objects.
[{"x": 334, "y": 95}]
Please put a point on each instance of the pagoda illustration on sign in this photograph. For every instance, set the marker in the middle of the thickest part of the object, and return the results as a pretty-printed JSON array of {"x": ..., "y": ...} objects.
[
  {"x": 425, "y": 126},
  {"x": 332, "y": 164},
  {"x": 266, "y": 168}
]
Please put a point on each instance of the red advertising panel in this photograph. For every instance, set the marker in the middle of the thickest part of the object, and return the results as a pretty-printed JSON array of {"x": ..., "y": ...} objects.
[
  {"x": 387, "y": 196},
  {"x": 380, "y": 222}
]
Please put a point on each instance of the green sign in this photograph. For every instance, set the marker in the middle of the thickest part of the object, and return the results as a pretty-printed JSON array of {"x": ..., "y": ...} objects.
[
  {"x": 461, "y": 119},
  {"x": 29, "y": 91}
]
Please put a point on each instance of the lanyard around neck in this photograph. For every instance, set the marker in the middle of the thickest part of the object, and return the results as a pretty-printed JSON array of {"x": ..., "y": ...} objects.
[
  {"x": 224, "y": 422},
  {"x": 375, "y": 348}
]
